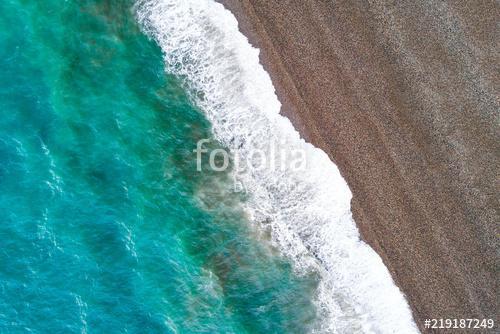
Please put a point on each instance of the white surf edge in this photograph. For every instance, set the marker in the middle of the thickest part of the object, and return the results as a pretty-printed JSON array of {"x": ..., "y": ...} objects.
[{"x": 307, "y": 211}]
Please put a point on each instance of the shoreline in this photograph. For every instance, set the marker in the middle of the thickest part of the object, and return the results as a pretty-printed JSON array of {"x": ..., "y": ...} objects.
[
  {"x": 296, "y": 207},
  {"x": 408, "y": 116}
]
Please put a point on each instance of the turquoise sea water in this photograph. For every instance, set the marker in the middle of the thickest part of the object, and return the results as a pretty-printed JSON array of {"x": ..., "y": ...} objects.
[{"x": 105, "y": 225}]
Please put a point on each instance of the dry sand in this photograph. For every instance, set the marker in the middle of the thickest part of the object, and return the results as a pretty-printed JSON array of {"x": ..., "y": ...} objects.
[{"x": 403, "y": 97}]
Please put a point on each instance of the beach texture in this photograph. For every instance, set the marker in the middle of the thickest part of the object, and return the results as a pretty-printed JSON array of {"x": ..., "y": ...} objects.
[{"x": 403, "y": 97}]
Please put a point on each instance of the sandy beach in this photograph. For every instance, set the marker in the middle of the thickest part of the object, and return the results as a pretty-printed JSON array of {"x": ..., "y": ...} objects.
[{"x": 403, "y": 97}]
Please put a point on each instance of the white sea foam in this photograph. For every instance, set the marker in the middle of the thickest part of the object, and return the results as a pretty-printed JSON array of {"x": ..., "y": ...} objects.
[{"x": 307, "y": 211}]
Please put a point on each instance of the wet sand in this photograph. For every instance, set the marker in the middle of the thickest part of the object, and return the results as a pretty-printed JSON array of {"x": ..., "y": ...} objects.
[{"x": 403, "y": 97}]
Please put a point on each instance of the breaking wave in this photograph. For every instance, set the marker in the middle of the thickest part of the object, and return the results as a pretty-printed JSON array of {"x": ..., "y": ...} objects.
[{"x": 307, "y": 211}]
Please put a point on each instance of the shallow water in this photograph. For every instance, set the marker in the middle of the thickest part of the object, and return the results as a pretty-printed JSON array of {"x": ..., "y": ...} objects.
[{"x": 106, "y": 226}]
